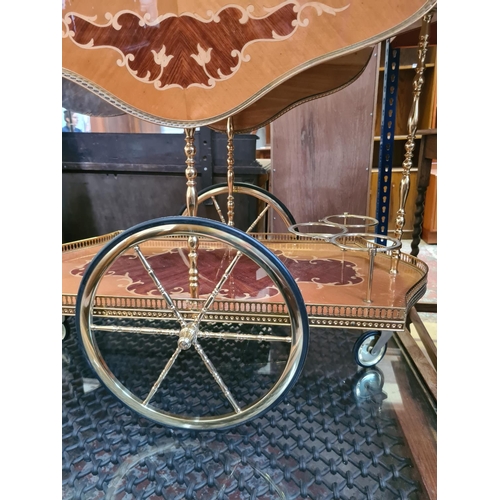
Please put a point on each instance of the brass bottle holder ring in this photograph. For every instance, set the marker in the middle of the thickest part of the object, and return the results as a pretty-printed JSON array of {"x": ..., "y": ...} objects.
[
  {"x": 322, "y": 228},
  {"x": 344, "y": 220},
  {"x": 351, "y": 241}
]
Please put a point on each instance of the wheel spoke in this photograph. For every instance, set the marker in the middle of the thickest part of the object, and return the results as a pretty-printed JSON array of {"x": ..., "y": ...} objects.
[
  {"x": 217, "y": 377},
  {"x": 163, "y": 374},
  {"x": 258, "y": 218},
  {"x": 243, "y": 336},
  {"x": 219, "y": 210},
  {"x": 208, "y": 303},
  {"x": 135, "y": 329},
  {"x": 162, "y": 290},
  {"x": 247, "y": 191}
]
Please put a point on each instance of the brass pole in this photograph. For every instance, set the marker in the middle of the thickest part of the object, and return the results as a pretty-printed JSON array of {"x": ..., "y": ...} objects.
[
  {"x": 371, "y": 264},
  {"x": 192, "y": 208},
  {"x": 413, "y": 119},
  {"x": 230, "y": 171}
]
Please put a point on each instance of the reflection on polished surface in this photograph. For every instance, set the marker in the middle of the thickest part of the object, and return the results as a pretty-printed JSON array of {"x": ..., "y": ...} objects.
[{"x": 342, "y": 432}]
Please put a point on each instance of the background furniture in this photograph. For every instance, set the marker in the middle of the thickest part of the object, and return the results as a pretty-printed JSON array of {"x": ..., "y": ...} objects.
[
  {"x": 425, "y": 225},
  {"x": 320, "y": 152},
  {"x": 113, "y": 181},
  {"x": 342, "y": 155}
]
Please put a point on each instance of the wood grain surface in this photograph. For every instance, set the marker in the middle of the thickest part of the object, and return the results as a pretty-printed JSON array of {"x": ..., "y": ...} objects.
[
  {"x": 321, "y": 153},
  {"x": 341, "y": 280},
  {"x": 198, "y": 64},
  {"x": 420, "y": 435}
]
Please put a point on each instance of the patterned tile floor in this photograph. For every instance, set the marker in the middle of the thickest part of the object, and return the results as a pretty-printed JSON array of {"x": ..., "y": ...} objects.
[{"x": 427, "y": 253}]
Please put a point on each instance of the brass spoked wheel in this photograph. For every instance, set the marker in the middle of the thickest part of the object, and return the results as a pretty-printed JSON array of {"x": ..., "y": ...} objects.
[
  {"x": 65, "y": 328},
  {"x": 207, "y": 363},
  {"x": 246, "y": 194}
]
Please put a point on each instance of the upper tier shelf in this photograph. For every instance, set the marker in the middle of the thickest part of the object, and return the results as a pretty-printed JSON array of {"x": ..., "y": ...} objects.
[{"x": 209, "y": 60}]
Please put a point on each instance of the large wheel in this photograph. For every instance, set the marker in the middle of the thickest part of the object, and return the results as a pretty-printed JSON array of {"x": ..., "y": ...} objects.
[
  {"x": 218, "y": 195},
  {"x": 191, "y": 373},
  {"x": 65, "y": 328}
]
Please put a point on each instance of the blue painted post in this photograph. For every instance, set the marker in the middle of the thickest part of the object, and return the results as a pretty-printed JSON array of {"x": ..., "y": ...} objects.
[{"x": 388, "y": 125}]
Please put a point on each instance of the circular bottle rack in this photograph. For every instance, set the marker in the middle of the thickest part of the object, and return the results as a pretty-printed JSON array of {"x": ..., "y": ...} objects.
[
  {"x": 350, "y": 221},
  {"x": 319, "y": 230}
]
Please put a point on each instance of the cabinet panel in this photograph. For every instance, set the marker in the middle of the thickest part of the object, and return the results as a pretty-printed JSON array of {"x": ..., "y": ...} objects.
[{"x": 322, "y": 150}]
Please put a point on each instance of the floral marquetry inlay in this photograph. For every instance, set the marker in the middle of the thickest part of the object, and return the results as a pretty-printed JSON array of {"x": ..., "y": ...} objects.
[
  {"x": 247, "y": 283},
  {"x": 186, "y": 50}
]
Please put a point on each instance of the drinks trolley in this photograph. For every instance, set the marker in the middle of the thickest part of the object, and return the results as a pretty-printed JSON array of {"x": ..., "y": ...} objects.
[{"x": 193, "y": 284}]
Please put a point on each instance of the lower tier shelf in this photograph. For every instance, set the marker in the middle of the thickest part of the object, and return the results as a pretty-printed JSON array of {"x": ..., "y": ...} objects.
[{"x": 333, "y": 283}]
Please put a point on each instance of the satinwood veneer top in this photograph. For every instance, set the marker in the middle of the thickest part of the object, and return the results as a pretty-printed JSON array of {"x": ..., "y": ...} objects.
[{"x": 197, "y": 62}]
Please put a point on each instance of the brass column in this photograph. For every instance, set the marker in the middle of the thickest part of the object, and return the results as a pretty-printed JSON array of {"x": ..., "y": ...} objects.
[
  {"x": 230, "y": 172},
  {"x": 192, "y": 208},
  {"x": 413, "y": 119}
]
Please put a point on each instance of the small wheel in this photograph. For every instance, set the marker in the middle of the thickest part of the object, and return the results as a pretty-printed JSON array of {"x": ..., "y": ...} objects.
[
  {"x": 218, "y": 194},
  {"x": 363, "y": 347},
  {"x": 186, "y": 370}
]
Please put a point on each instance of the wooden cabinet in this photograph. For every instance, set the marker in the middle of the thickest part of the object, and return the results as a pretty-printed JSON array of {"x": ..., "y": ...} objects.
[
  {"x": 324, "y": 153},
  {"x": 321, "y": 151},
  {"x": 112, "y": 181}
]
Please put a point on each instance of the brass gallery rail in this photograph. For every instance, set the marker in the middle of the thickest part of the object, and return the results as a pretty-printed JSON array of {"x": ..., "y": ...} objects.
[{"x": 332, "y": 282}]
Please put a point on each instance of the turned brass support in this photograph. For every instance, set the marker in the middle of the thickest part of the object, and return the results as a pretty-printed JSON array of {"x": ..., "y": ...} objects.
[
  {"x": 413, "y": 119},
  {"x": 230, "y": 172},
  {"x": 191, "y": 193},
  {"x": 192, "y": 208}
]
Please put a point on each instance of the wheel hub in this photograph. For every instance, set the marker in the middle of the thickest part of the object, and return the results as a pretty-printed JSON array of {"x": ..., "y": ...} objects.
[{"x": 187, "y": 336}]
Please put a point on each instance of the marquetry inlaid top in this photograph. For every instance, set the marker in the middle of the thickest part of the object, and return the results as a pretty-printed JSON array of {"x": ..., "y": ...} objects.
[
  {"x": 326, "y": 275},
  {"x": 196, "y": 62}
]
